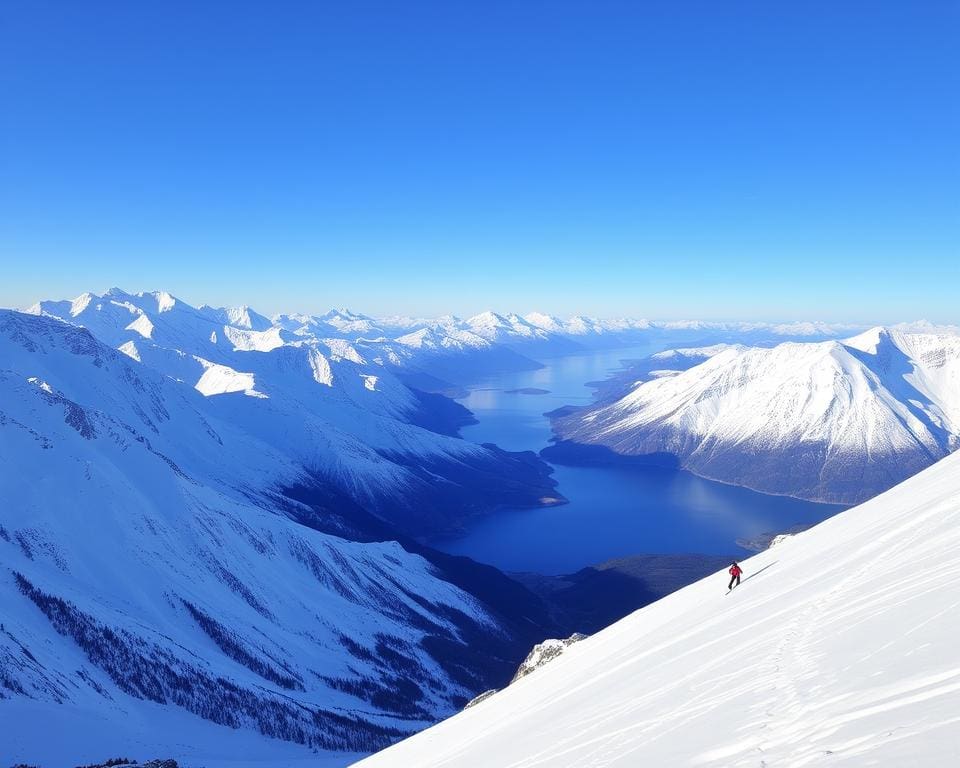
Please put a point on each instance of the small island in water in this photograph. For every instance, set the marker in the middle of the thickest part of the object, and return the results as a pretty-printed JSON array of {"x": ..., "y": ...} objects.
[{"x": 527, "y": 391}]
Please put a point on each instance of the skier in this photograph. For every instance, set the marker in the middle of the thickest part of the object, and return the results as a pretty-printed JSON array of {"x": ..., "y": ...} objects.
[{"x": 735, "y": 571}]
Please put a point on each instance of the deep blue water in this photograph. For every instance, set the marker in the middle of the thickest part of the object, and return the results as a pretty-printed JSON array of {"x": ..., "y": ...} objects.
[{"x": 613, "y": 511}]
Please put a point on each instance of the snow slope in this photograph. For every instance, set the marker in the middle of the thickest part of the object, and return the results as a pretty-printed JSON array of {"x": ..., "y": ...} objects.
[
  {"x": 149, "y": 559},
  {"x": 830, "y": 421},
  {"x": 839, "y": 648}
]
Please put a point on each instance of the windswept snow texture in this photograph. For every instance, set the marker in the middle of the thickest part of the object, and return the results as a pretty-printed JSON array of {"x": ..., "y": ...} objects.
[
  {"x": 839, "y": 648},
  {"x": 836, "y": 421}
]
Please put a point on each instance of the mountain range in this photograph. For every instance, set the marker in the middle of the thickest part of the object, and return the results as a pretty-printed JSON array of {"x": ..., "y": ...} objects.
[
  {"x": 171, "y": 548},
  {"x": 836, "y": 421},
  {"x": 330, "y": 405},
  {"x": 213, "y": 521}
]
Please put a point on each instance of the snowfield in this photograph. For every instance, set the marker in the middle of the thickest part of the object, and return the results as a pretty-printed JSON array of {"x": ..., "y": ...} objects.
[{"x": 840, "y": 647}]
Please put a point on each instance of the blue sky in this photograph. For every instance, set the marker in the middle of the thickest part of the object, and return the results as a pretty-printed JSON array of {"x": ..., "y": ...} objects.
[{"x": 665, "y": 159}]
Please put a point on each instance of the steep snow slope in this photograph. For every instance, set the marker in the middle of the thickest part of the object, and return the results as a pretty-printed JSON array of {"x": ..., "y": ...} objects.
[
  {"x": 839, "y": 648},
  {"x": 831, "y": 421},
  {"x": 149, "y": 557}
]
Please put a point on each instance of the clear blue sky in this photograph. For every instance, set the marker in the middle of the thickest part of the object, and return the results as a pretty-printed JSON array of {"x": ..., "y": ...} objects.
[{"x": 768, "y": 160}]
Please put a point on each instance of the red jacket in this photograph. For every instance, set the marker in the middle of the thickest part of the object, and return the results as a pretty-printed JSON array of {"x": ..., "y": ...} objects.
[{"x": 735, "y": 570}]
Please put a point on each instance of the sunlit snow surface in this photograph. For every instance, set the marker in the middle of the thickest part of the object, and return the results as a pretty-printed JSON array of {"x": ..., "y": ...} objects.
[{"x": 840, "y": 647}]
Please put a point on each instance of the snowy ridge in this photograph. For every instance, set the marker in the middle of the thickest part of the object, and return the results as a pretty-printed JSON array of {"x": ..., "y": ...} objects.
[
  {"x": 541, "y": 655},
  {"x": 839, "y": 648},
  {"x": 534, "y": 330},
  {"x": 582, "y": 327},
  {"x": 333, "y": 405},
  {"x": 239, "y": 317},
  {"x": 831, "y": 421},
  {"x": 422, "y": 348},
  {"x": 150, "y": 560}
]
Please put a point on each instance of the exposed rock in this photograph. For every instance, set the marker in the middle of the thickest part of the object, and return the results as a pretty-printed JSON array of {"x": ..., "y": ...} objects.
[
  {"x": 482, "y": 697},
  {"x": 542, "y": 654},
  {"x": 545, "y": 652}
]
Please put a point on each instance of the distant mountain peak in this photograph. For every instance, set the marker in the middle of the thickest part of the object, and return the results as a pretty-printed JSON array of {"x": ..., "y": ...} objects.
[
  {"x": 800, "y": 418},
  {"x": 488, "y": 318}
]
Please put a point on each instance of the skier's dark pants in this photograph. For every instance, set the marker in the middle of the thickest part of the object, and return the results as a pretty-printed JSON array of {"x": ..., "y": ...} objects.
[{"x": 734, "y": 579}]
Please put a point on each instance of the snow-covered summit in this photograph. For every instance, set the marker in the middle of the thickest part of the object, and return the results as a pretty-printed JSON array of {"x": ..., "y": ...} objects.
[
  {"x": 549, "y": 323},
  {"x": 833, "y": 421},
  {"x": 500, "y": 328},
  {"x": 838, "y": 649},
  {"x": 435, "y": 340},
  {"x": 238, "y": 317}
]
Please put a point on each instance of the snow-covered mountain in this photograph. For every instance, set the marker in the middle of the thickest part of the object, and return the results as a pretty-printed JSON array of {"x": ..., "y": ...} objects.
[
  {"x": 336, "y": 322},
  {"x": 240, "y": 317},
  {"x": 838, "y": 648},
  {"x": 582, "y": 328},
  {"x": 210, "y": 524},
  {"x": 332, "y": 405},
  {"x": 164, "y": 567},
  {"x": 592, "y": 331},
  {"x": 833, "y": 421},
  {"x": 520, "y": 334},
  {"x": 419, "y": 349}
]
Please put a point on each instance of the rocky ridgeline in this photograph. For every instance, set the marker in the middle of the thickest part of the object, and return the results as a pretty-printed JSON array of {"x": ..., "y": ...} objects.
[
  {"x": 545, "y": 652},
  {"x": 541, "y": 655}
]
